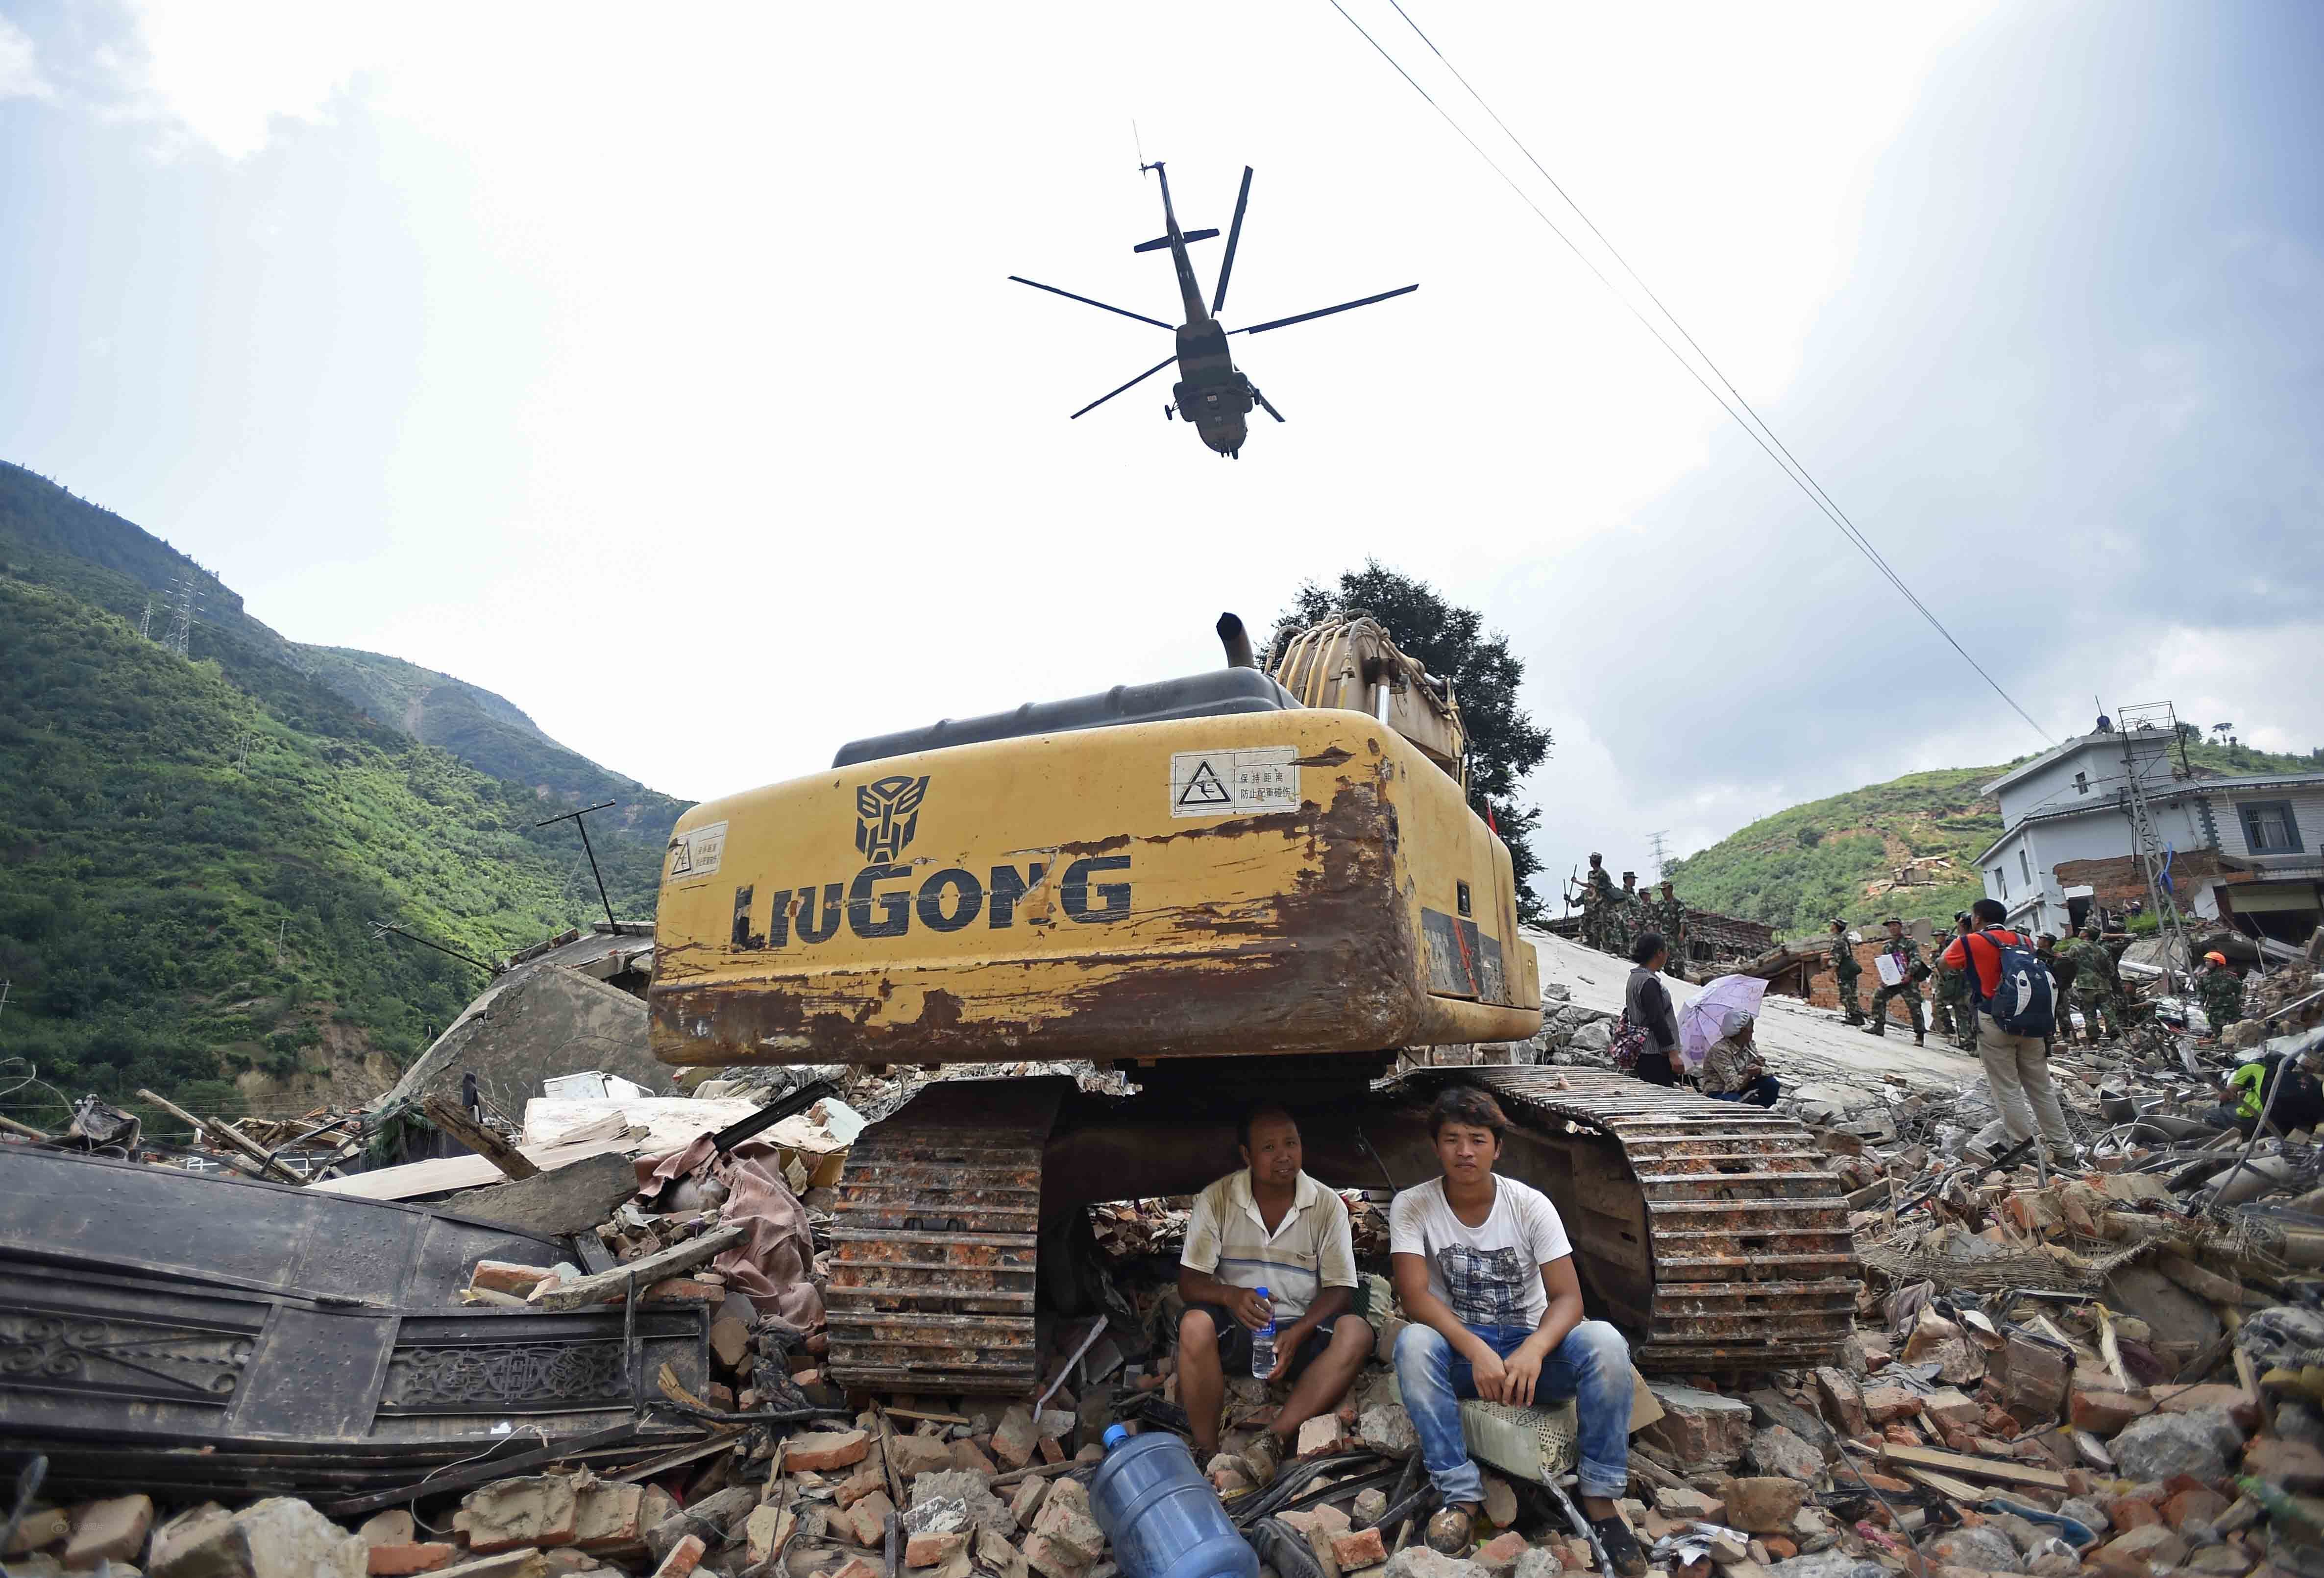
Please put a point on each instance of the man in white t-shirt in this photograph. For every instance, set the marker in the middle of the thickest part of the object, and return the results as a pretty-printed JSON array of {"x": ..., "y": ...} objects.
[
  {"x": 1486, "y": 1276},
  {"x": 1268, "y": 1225}
]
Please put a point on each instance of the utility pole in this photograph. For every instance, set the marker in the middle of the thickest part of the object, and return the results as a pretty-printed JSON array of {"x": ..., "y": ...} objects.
[
  {"x": 1660, "y": 843},
  {"x": 575, "y": 818},
  {"x": 145, "y": 625},
  {"x": 2146, "y": 842},
  {"x": 183, "y": 602}
]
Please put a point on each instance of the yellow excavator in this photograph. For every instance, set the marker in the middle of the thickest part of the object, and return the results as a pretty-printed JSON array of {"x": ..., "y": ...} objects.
[{"x": 1251, "y": 883}]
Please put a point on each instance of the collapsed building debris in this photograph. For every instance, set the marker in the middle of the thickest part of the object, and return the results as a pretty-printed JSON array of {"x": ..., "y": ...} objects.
[{"x": 621, "y": 1362}]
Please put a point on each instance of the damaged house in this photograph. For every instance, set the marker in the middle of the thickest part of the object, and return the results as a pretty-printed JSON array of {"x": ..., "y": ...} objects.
[{"x": 2243, "y": 850}]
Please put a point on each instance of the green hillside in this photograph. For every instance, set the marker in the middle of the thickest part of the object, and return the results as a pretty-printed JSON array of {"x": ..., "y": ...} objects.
[
  {"x": 1800, "y": 867},
  {"x": 193, "y": 850},
  {"x": 491, "y": 734}
]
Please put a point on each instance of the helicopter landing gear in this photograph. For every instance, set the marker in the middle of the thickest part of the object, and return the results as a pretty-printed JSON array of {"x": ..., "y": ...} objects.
[{"x": 1169, "y": 412}]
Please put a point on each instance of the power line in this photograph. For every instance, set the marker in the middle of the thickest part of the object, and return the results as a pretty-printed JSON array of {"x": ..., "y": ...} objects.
[{"x": 1773, "y": 447}]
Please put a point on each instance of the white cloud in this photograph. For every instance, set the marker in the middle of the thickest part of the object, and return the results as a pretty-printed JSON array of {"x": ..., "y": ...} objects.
[
  {"x": 225, "y": 72},
  {"x": 20, "y": 68},
  {"x": 699, "y": 343}
]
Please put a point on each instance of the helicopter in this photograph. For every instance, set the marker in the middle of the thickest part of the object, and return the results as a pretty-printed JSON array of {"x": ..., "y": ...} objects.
[{"x": 1210, "y": 392}]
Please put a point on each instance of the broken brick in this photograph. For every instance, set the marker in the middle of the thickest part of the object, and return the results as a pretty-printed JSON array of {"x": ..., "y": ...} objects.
[
  {"x": 506, "y": 1277},
  {"x": 1499, "y": 1555},
  {"x": 1052, "y": 1559},
  {"x": 858, "y": 1485},
  {"x": 864, "y": 1521},
  {"x": 539, "y": 1510},
  {"x": 425, "y": 1557},
  {"x": 1765, "y": 1504},
  {"x": 1016, "y": 1438},
  {"x": 914, "y": 1456},
  {"x": 828, "y": 1449},
  {"x": 932, "y": 1550},
  {"x": 1363, "y": 1548},
  {"x": 608, "y": 1515},
  {"x": 1322, "y": 1435},
  {"x": 730, "y": 1340},
  {"x": 112, "y": 1530},
  {"x": 2200, "y": 1504},
  {"x": 683, "y": 1558}
]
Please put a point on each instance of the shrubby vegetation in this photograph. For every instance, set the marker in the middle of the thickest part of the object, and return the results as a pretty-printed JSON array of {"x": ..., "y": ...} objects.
[
  {"x": 164, "y": 820},
  {"x": 1798, "y": 868}
]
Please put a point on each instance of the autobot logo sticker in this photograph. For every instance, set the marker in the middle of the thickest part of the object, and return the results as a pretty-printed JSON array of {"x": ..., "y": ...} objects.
[{"x": 886, "y": 815}]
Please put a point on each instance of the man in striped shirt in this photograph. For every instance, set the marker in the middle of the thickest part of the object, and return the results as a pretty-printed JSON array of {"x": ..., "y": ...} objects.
[{"x": 1269, "y": 1225}]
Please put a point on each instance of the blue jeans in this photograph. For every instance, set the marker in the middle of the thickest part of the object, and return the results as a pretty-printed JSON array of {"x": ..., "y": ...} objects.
[
  {"x": 1761, "y": 1092},
  {"x": 1593, "y": 1366}
]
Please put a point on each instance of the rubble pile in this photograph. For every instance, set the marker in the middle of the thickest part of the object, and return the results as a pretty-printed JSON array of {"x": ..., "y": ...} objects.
[{"x": 2116, "y": 1368}]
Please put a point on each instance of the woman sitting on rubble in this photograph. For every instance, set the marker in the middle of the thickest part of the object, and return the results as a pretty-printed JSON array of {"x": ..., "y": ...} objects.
[
  {"x": 1732, "y": 1069},
  {"x": 1647, "y": 1005}
]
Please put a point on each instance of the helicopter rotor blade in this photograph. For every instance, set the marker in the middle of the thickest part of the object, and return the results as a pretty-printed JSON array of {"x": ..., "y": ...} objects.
[
  {"x": 1234, "y": 234},
  {"x": 1133, "y": 383},
  {"x": 1265, "y": 404},
  {"x": 1090, "y": 302},
  {"x": 1324, "y": 311}
]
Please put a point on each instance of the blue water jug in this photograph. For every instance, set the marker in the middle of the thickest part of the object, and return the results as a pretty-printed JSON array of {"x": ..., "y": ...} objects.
[{"x": 1162, "y": 1516}]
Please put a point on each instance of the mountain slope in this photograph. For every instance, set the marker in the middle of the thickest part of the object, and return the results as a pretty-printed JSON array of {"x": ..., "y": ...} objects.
[
  {"x": 193, "y": 850},
  {"x": 490, "y": 733},
  {"x": 1800, "y": 867},
  {"x": 50, "y": 535}
]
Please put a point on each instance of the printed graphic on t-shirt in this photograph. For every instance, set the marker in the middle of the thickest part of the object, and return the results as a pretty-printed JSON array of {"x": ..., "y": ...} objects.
[{"x": 1484, "y": 1286}]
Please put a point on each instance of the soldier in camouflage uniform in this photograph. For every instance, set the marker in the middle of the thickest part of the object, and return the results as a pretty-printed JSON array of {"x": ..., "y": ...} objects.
[
  {"x": 1954, "y": 1015},
  {"x": 1629, "y": 915},
  {"x": 1845, "y": 971},
  {"x": 2221, "y": 992},
  {"x": 1597, "y": 900},
  {"x": 1907, "y": 955},
  {"x": 2094, "y": 992},
  {"x": 1669, "y": 916}
]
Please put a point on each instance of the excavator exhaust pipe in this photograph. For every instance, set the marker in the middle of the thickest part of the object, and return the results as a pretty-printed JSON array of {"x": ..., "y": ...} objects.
[{"x": 1237, "y": 641}]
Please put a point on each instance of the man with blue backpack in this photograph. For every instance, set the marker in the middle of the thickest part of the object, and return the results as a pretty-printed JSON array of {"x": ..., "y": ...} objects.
[{"x": 2012, "y": 997}]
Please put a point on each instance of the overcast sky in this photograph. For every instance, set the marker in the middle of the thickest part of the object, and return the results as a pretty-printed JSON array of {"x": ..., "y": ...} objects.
[{"x": 498, "y": 337}]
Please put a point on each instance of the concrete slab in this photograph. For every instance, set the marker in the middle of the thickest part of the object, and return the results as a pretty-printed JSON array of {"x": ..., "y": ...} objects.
[{"x": 1800, "y": 1044}]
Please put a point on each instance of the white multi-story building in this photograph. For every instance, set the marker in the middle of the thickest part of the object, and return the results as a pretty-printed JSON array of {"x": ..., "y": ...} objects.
[{"x": 2245, "y": 850}]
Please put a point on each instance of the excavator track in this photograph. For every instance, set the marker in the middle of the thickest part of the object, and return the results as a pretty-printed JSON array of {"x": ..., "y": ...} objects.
[
  {"x": 936, "y": 1239},
  {"x": 1714, "y": 1234},
  {"x": 1731, "y": 1212}
]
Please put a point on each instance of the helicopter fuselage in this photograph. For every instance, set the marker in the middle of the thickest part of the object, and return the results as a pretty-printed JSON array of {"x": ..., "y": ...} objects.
[{"x": 1210, "y": 392}]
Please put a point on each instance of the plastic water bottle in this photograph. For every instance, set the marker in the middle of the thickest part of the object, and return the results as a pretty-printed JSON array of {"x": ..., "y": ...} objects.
[
  {"x": 1162, "y": 1516},
  {"x": 1262, "y": 1341}
]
